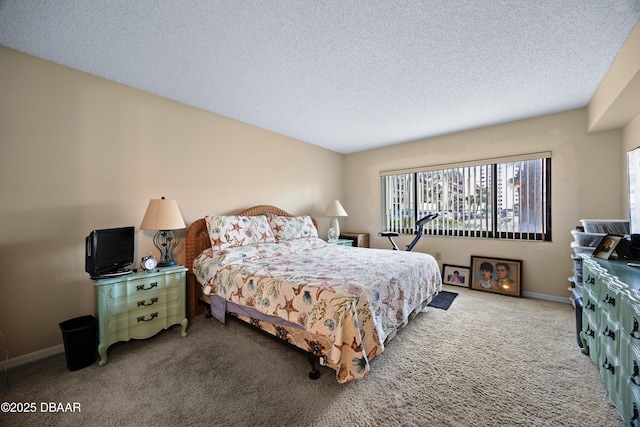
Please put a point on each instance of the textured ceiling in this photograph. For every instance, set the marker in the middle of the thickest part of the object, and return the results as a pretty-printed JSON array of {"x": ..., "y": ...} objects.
[{"x": 345, "y": 75}]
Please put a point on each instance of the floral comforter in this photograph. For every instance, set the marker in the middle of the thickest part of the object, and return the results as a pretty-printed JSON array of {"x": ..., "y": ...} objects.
[{"x": 354, "y": 298}]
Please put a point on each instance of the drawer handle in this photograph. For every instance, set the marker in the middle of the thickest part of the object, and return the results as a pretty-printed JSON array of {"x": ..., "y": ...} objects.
[
  {"x": 144, "y": 303},
  {"x": 635, "y": 414},
  {"x": 609, "y": 333},
  {"x": 590, "y": 280},
  {"x": 609, "y": 300},
  {"x": 635, "y": 333},
  {"x": 590, "y": 306},
  {"x": 142, "y": 318},
  {"x": 590, "y": 332},
  {"x": 608, "y": 366},
  {"x": 634, "y": 377},
  {"x": 151, "y": 286}
]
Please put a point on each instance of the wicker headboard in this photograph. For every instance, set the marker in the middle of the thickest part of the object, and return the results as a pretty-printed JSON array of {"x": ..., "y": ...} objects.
[{"x": 197, "y": 240}]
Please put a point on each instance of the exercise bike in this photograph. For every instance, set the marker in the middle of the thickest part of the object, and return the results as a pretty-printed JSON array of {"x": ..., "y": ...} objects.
[{"x": 419, "y": 224}]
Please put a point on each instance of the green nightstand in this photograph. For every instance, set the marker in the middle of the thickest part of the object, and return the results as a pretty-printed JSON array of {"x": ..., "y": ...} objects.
[
  {"x": 341, "y": 242},
  {"x": 139, "y": 306}
]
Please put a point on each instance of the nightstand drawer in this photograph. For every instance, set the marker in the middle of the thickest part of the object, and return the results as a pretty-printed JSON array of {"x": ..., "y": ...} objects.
[
  {"x": 137, "y": 288},
  {"x": 149, "y": 322},
  {"x": 134, "y": 288},
  {"x": 126, "y": 321},
  {"x": 136, "y": 303}
]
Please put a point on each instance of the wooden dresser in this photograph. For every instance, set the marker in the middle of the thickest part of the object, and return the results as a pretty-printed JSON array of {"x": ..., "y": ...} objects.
[{"x": 139, "y": 305}]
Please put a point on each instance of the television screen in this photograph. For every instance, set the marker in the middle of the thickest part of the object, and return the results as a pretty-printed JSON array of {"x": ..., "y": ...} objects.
[{"x": 109, "y": 250}]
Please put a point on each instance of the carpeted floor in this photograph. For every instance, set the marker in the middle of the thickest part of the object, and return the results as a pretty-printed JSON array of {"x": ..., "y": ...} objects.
[{"x": 489, "y": 360}]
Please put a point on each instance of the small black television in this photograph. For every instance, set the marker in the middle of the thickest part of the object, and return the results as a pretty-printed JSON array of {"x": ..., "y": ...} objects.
[{"x": 108, "y": 251}]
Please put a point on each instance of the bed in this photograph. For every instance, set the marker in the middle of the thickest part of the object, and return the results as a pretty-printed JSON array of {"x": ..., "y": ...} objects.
[{"x": 269, "y": 269}]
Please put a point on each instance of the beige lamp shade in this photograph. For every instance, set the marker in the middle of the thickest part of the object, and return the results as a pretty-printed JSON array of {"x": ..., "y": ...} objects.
[
  {"x": 335, "y": 209},
  {"x": 162, "y": 214}
]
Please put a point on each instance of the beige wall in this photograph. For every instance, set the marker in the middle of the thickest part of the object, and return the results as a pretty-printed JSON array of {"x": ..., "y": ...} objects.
[
  {"x": 615, "y": 102},
  {"x": 631, "y": 134},
  {"x": 81, "y": 153},
  {"x": 582, "y": 187}
]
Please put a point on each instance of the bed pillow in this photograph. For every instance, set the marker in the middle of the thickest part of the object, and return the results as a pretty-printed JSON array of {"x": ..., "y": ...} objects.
[
  {"x": 289, "y": 228},
  {"x": 229, "y": 231}
]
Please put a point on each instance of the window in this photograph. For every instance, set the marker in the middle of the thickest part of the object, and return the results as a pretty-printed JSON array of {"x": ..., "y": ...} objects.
[{"x": 508, "y": 198}]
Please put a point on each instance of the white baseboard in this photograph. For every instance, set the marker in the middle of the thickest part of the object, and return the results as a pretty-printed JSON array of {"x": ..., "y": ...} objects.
[
  {"x": 534, "y": 295},
  {"x": 546, "y": 297},
  {"x": 36, "y": 355}
]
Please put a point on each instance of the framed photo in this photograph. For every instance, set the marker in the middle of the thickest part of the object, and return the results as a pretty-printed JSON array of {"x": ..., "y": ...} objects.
[
  {"x": 502, "y": 276},
  {"x": 456, "y": 275},
  {"x": 607, "y": 246}
]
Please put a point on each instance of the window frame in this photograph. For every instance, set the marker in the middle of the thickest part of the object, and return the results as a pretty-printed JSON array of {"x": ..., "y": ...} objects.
[{"x": 436, "y": 228}]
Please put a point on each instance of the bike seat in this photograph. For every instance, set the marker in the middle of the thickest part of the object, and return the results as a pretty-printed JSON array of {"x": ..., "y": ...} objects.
[{"x": 389, "y": 233}]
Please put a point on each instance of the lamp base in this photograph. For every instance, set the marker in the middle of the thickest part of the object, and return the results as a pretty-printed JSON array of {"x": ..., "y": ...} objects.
[
  {"x": 166, "y": 264},
  {"x": 336, "y": 226},
  {"x": 166, "y": 241}
]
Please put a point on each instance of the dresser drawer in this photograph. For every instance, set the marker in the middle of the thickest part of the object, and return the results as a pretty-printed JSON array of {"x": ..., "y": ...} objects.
[
  {"x": 630, "y": 360},
  {"x": 609, "y": 330},
  {"x": 630, "y": 315},
  {"x": 610, "y": 293},
  {"x": 588, "y": 337},
  {"x": 133, "y": 288},
  {"x": 629, "y": 407},
  {"x": 146, "y": 323},
  {"x": 591, "y": 275},
  {"x": 609, "y": 366},
  {"x": 590, "y": 310},
  {"x": 137, "y": 303}
]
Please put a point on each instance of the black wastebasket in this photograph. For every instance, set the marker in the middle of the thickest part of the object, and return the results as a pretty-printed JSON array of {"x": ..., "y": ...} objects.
[
  {"x": 579, "y": 305},
  {"x": 80, "y": 336}
]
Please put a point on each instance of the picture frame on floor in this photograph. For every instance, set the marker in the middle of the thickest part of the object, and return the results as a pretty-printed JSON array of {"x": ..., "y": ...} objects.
[
  {"x": 498, "y": 275},
  {"x": 455, "y": 275}
]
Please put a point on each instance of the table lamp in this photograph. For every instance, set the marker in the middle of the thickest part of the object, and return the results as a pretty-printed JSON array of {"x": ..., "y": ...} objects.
[
  {"x": 334, "y": 210},
  {"x": 164, "y": 215}
]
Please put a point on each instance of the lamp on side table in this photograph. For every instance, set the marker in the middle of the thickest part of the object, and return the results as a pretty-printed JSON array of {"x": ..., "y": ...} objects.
[{"x": 164, "y": 215}]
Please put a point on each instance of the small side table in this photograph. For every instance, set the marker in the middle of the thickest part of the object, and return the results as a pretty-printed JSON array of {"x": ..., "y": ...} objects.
[{"x": 360, "y": 240}]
